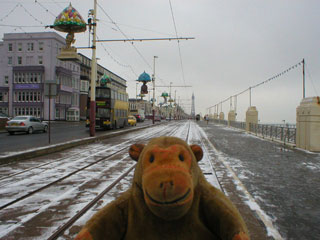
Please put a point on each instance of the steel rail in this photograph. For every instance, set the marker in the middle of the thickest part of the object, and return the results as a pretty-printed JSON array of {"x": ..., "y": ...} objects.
[
  {"x": 64, "y": 177},
  {"x": 45, "y": 164},
  {"x": 72, "y": 220}
]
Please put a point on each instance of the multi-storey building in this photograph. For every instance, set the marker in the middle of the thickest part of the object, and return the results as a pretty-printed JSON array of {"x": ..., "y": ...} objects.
[
  {"x": 29, "y": 61},
  {"x": 135, "y": 105},
  {"x": 29, "y": 64}
]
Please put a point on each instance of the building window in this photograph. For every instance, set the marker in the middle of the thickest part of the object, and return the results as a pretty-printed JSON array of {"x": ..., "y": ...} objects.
[
  {"x": 9, "y": 60},
  {"x": 57, "y": 113},
  {"x": 1, "y": 97},
  {"x": 10, "y": 48},
  {"x": 4, "y": 110},
  {"x": 19, "y": 60},
  {"x": 31, "y": 77},
  {"x": 23, "y": 78},
  {"x": 40, "y": 60},
  {"x": 6, "y": 80},
  {"x": 19, "y": 47},
  {"x": 40, "y": 46},
  {"x": 29, "y": 60},
  {"x": 30, "y": 47}
]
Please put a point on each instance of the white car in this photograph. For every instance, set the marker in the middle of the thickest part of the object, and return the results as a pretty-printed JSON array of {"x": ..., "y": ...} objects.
[{"x": 28, "y": 124}]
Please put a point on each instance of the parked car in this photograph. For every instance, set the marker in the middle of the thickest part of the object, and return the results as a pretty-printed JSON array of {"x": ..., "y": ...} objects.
[
  {"x": 139, "y": 117},
  {"x": 157, "y": 118},
  {"x": 28, "y": 124},
  {"x": 3, "y": 115},
  {"x": 132, "y": 121},
  {"x": 4, "y": 118}
]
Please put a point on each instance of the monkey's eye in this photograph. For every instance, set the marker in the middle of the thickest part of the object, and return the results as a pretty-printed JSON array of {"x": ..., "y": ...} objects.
[
  {"x": 151, "y": 159},
  {"x": 181, "y": 157}
]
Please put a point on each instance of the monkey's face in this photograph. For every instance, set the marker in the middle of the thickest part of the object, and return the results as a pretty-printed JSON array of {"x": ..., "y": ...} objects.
[{"x": 167, "y": 181}]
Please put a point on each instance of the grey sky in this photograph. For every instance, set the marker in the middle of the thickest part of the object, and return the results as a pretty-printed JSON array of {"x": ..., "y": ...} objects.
[{"x": 238, "y": 44}]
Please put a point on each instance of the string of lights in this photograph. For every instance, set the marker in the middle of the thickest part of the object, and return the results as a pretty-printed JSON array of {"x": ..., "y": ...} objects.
[
  {"x": 115, "y": 60},
  {"x": 126, "y": 37},
  {"x": 8, "y": 14},
  {"x": 113, "y": 22},
  {"x": 57, "y": 3},
  {"x": 37, "y": 20},
  {"x": 16, "y": 27},
  {"x": 259, "y": 84},
  {"x": 46, "y": 9}
]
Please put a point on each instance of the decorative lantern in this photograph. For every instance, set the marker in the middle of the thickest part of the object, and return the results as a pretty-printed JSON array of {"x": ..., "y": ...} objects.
[
  {"x": 165, "y": 95},
  {"x": 104, "y": 80},
  {"x": 69, "y": 21},
  {"x": 144, "y": 78}
]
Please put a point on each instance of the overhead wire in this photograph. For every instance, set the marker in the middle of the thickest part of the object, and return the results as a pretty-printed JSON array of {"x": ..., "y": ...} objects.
[
  {"x": 126, "y": 37},
  {"x": 135, "y": 27},
  {"x": 176, "y": 32},
  {"x": 113, "y": 22},
  {"x": 309, "y": 75}
]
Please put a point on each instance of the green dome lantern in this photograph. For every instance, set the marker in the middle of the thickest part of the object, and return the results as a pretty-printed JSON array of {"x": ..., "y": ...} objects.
[
  {"x": 144, "y": 78},
  {"x": 104, "y": 80},
  {"x": 165, "y": 95}
]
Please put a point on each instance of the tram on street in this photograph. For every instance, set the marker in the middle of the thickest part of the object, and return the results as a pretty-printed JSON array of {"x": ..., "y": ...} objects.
[{"x": 111, "y": 107}]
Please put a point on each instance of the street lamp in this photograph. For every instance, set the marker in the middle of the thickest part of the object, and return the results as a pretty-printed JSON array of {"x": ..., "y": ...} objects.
[
  {"x": 93, "y": 74},
  {"x": 136, "y": 91},
  {"x": 154, "y": 87}
]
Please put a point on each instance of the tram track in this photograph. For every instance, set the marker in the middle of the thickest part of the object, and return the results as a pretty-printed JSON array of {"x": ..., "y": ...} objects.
[
  {"x": 72, "y": 220},
  {"x": 124, "y": 148},
  {"x": 66, "y": 157},
  {"x": 120, "y": 152},
  {"x": 206, "y": 163}
]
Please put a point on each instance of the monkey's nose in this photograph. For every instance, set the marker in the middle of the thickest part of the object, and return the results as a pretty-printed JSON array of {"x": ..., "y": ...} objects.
[{"x": 166, "y": 184}]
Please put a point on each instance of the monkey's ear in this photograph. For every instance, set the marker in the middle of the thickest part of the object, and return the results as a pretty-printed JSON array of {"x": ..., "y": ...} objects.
[
  {"x": 197, "y": 151},
  {"x": 135, "y": 151}
]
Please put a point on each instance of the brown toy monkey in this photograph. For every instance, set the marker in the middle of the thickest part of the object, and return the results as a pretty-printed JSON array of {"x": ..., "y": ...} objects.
[{"x": 169, "y": 199}]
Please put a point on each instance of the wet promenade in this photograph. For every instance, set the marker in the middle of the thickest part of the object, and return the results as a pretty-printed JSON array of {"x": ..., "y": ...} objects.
[{"x": 284, "y": 182}]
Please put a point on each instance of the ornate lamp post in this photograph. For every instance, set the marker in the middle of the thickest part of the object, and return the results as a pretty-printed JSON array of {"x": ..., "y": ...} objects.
[{"x": 71, "y": 22}]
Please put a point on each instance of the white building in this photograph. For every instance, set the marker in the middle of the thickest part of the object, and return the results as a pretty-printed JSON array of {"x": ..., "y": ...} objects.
[{"x": 29, "y": 61}]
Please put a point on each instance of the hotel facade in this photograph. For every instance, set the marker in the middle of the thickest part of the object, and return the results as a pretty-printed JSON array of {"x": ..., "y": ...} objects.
[{"x": 29, "y": 68}]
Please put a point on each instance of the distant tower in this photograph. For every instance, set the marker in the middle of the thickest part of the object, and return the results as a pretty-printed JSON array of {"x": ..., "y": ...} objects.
[{"x": 193, "y": 111}]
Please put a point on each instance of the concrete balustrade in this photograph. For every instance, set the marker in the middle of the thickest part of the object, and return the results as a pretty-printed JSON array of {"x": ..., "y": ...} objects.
[
  {"x": 231, "y": 117},
  {"x": 221, "y": 116},
  {"x": 251, "y": 117},
  {"x": 308, "y": 124}
]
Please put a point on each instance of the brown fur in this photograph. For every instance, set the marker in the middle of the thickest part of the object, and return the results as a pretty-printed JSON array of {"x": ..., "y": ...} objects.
[{"x": 169, "y": 199}]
